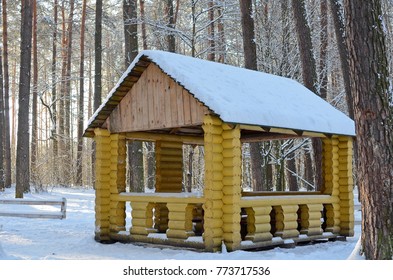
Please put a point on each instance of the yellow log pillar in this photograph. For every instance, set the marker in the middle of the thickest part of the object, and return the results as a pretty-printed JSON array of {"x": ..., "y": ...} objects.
[
  {"x": 345, "y": 153},
  {"x": 117, "y": 181},
  {"x": 331, "y": 182},
  {"x": 142, "y": 218},
  {"x": 286, "y": 221},
  {"x": 310, "y": 219},
  {"x": 231, "y": 186},
  {"x": 213, "y": 206},
  {"x": 258, "y": 223},
  {"x": 161, "y": 217},
  {"x": 102, "y": 184},
  {"x": 169, "y": 166},
  {"x": 180, "y": 220},
  {"x": 169, "y": 177}
]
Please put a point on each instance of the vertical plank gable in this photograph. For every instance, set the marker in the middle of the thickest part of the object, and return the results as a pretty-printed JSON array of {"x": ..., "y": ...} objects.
[{"x": 156, "y": 101}]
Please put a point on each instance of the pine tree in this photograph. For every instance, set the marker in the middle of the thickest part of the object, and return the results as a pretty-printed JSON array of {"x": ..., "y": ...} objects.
[
  {"x": 23, "y": 145},
  {"x": 373, "y": 112}
]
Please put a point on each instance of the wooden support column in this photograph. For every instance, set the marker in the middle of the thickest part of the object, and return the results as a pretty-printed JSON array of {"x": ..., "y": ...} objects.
[
  {"x": 310, "y": 219},
  {"x": 258, "y": 224},
  {"x": 169, "y": 177},
  {"x": 331, "y": 182},
  {"x": 180, "y": 220},
  {"x": 118, "y": 181},
  {"x": 102, "y": 184},
  {"x": 345, "y": 153},
  {"x": 231, "y": 187},
  {"x": 161, "y": 217},
  {"x": 213, "y": 223},
  {"x": 142, "y": 218},
  {"x": 286, "y": 221},
  {"x": 169, "y": 166}
]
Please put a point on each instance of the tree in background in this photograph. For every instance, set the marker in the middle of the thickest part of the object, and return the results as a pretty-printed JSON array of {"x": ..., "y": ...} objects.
[
  {"x": 23, "y": 145},
  {"x": 134, "y": 148},
  {"x": 250, "y": 62},
  {"x": 7, "y": 144},
  {"x": 34, "y": 114},
  {"x": 79, "y": 164},
  {"x": 309, "y": 75},
  {"x": 2, "y": 185},
  {"x": 373, "y": 112}
]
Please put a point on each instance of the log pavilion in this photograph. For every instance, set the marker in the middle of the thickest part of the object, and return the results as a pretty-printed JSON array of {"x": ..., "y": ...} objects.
[{"x": 173, "y": 100}]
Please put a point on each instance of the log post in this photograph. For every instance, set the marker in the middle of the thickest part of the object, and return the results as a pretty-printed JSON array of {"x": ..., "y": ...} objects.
[
  {"x": 103, "y": 179},
  {"x": 142, "y": 218},
  {"x": 258, "y": 224},
  {"x": 169, "y": 177},
  {"x": 117, "y": 184},
  {"x": 231, "y": 187},
  {"x": 331, "y": 182},
  {"x": 213, "y": 223},
  {"x": 345, "y": 153},
  {"x": 180, "y": 220},
  {"x": 286, "y": 221},
  {"x": 310, "y": 219}
]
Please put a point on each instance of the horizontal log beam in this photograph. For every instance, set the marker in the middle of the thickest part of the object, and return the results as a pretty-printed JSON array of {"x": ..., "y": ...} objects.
[{"x": 146, "y": 136}]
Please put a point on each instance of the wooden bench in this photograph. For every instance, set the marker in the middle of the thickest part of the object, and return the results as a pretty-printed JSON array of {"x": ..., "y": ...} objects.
[{"x": 35, "y": 214}]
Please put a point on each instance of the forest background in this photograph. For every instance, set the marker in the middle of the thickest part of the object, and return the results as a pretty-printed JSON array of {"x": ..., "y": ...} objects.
[{"x": 79, "y": 49}]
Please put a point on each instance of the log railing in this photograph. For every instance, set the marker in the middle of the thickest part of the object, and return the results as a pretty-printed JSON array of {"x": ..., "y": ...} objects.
[
  {"x": 178, "y": 215},
  {"x": 288, "y": 216}
]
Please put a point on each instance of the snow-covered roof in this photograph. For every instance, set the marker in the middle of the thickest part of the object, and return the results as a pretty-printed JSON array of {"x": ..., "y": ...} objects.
[{"x": 242, "y": 96}]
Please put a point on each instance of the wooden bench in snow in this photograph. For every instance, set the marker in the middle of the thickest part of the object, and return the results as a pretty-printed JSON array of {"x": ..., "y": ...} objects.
[{"x": 35, "y": 213}]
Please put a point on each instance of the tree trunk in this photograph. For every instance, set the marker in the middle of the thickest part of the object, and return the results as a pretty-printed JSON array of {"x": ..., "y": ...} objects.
[
  {"x": 130, "y": 30},
  {"x": 7, "y": 144},
  {"x": 211, "y": 54},
  {"x": 323, "y": 80},
  {"x": 309, "y": 75},
  {"x": 97, "y": 71},
  {"x": 34, "y": 117},
  {"x": 290, "y": 174},
  {"x": 170, "y": 37},
  {"x": 372, "y": 96},
  {"x": 221, "y": 34},
  {"x": 2, "y": 138},
  {"x": 61, "y": 105},
  {"x": 339, "y": 30},
  {"x": 250, "y": 62},
  {"x": 98, "y": 55},
  {"x": 193, "y": 28},
  {"x": 249, "y": 46},
  {"x": 67, "y": 102},
  {"x": 143, "y": 24},
  {"x": 135, "y": 154},
  {"x": 79, "y": 168},
  {"x": 54, "y": 134},
  {"x": 22, "y": 151}
]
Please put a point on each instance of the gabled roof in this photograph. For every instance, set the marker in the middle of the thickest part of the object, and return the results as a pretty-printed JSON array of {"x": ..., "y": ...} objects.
[{"x": 236, "y": 95}]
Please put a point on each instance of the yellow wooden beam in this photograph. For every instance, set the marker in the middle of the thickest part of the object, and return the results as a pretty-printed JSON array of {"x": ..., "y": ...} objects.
[{"x": 148, "y": 136}]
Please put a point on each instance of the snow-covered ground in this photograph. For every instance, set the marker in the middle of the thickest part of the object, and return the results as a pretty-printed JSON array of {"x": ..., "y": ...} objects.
[{"x": 73, "y": 238}]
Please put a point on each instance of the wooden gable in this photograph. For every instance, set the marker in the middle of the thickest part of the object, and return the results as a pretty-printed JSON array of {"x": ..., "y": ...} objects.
[{"x": 156, "y": 102}]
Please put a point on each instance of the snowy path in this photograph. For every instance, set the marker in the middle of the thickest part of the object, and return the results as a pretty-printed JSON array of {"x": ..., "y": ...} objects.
[{"x": 72, "y": 238}]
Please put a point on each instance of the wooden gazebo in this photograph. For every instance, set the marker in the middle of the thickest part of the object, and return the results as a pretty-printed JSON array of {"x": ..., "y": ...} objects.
[{"x": 173, "y": 100}]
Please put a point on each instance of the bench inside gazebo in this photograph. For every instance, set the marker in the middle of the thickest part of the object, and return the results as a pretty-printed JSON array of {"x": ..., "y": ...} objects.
[{"x": 175, "y": 100}]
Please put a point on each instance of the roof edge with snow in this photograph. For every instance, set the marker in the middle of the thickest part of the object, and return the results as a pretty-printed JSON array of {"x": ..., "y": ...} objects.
[{"x": 236, "y": 95}]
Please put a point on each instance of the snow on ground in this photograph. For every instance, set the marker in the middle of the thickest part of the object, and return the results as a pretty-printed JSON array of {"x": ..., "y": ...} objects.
[{"x": 73, "y": 238}]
